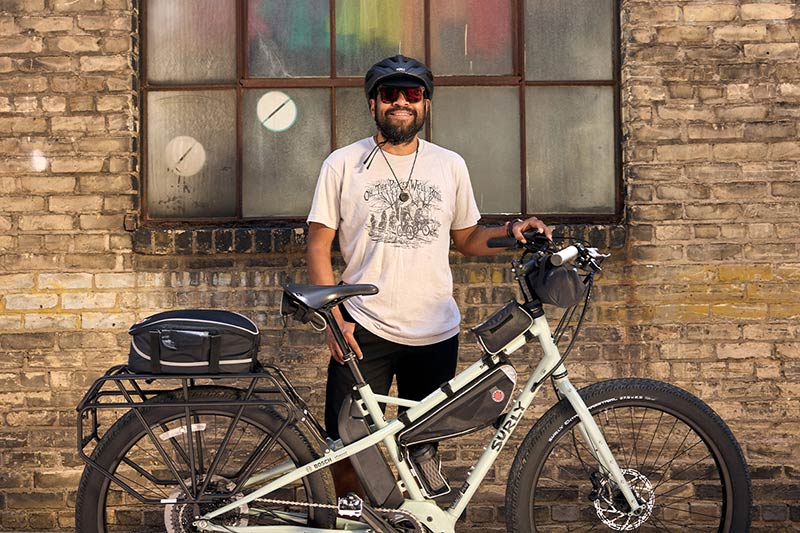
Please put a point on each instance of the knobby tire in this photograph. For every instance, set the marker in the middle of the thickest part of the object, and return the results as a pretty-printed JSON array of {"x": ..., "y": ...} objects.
[
  {"x": 101, "y": 506},
  {"x": 679, "y": 454}
]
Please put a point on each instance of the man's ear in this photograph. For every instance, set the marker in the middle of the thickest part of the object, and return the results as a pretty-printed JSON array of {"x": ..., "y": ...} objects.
[{"x": 372, "y": 106}]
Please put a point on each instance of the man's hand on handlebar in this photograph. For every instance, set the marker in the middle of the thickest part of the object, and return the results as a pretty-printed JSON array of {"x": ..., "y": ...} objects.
[{"x": 518, "y": 228}]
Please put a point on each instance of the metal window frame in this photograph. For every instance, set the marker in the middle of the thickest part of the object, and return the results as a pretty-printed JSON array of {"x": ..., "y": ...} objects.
[{"x": 334, "y": 82}]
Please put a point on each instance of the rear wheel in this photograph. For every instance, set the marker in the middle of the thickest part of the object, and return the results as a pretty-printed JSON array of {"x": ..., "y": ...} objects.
[
  {"x": 128, "y": 452},
  {"x": 681, "y": 460}
]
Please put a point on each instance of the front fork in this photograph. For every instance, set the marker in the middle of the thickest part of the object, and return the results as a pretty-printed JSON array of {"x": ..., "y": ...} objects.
[
  {"x": 551, "y": 364},
  {"x": 595, "y": 442}
]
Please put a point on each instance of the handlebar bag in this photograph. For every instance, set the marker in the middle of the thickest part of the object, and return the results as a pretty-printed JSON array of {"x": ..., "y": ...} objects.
[
  {"x": 560, "y": 286},
  {"x": 503, "y": 327},
  {"x": 193, "y": 341}
]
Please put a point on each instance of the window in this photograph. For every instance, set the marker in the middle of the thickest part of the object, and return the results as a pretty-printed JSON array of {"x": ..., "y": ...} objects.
[{"x": 243, "y": 99}]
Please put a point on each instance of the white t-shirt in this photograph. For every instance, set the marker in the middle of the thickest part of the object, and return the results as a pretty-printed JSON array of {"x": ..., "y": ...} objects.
[{"x": 401, "y": 247}]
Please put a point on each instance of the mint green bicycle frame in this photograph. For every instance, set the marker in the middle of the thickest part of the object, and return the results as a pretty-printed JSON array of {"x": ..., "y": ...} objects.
[{"x": 427, "y": 511}]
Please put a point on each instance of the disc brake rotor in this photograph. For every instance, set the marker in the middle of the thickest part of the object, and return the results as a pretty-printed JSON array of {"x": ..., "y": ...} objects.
[
  {"x": 178, "y": 517},
  {"x": 612, "y": 508}
]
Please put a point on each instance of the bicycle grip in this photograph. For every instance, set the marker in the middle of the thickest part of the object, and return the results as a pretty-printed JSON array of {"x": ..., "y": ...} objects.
[
  {"x": 567, "y": 255},
  {"x": 501, "y": 242}
]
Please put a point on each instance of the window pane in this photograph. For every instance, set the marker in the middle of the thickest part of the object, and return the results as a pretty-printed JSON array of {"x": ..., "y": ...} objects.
[
  {"x": 191, "y": 154},
  {"x": 570, "y": 152},
  {"x": 471, "y": 37},
  {"x": 568, "y": 39},
  {"x": 191, "y": 41},
  {"x": 288, "y": 38},
  {"x": 353, "y": 120},
  {"x": 286, "y": 135},
  {"x": 367, "y": 31},
  {"x": 482, "y": 124}
]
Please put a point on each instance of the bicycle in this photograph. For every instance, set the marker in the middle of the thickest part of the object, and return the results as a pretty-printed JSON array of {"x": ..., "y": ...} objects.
[{"x": 241, "y": 452}]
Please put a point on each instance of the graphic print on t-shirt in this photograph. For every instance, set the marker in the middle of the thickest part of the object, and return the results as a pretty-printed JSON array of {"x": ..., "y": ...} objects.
[{"x": 409, "y": 224}]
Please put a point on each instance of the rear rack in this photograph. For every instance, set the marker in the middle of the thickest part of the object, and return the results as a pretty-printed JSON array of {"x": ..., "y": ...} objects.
[{"x": 121, "y": 389}]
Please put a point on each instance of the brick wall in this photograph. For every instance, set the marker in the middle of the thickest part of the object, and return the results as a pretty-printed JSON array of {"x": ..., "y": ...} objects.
[{"x": 702, "y": 290}]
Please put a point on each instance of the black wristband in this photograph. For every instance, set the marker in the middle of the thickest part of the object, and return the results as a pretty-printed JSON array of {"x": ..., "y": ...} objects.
[{"x": 510, "y": 227}]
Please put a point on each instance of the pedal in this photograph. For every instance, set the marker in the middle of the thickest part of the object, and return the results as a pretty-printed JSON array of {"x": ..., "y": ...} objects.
[{"x": 350, "y": 506}]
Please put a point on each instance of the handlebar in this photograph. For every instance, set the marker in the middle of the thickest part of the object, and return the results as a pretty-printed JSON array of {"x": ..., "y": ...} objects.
[{"x": 583, "y": 256}]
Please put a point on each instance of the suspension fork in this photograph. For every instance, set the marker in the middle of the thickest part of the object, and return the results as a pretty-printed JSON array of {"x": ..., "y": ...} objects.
[{"x": 594, "y": 439}]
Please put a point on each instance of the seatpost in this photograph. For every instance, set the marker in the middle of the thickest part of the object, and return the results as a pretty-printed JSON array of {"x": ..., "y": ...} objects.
[{"x": 350, "y": 358}]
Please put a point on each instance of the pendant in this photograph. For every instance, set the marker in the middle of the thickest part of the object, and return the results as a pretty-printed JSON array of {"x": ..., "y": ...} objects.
[{"x": 404, "y": 196}]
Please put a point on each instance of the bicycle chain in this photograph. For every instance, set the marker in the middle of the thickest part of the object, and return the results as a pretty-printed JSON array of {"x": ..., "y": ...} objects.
[{"x": 409, "y": 514}]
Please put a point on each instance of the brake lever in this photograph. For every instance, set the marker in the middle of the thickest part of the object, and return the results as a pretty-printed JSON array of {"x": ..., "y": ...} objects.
[{"x": 591, "y": 258}]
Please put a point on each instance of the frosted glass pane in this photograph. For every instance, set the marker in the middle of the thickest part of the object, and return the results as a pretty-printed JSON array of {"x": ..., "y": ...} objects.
[
  {"x": 482, "y": 124},
  {"x": 369, "y": 30},
  {"x": 191, "y": 41},
  {"x": 288, "y": 38},
  {"x": 191, "y": 154},
  {"x": 353, "y": 120},
  {"x": 568, "y": 39},
  {"x": 286, "y": 135},
  {"x": 471, "y": 37},
  {"x": 570, "y": 149}
]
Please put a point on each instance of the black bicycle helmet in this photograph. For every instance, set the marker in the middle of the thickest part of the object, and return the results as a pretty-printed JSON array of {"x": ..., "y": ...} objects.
[{"x": 399, "y": 71}]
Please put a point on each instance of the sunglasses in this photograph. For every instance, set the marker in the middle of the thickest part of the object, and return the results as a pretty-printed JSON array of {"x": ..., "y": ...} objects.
[{"x": 390, "y": 94}]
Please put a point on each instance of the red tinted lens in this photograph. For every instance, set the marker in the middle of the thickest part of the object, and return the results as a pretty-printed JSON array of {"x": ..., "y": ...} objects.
[
  {"x": 391, "y": 94},
  {"x": 413, "y": 94}
]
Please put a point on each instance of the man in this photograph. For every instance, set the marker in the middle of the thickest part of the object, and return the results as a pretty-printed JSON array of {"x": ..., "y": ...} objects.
[{"x": 396, "y": 202}]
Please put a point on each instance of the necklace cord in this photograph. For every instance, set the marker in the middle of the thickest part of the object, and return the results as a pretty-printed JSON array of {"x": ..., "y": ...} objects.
[{"x": 399, "y": 185}]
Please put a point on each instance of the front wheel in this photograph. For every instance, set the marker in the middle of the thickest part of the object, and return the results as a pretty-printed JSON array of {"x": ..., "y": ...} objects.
[
  {"x": 258, "y": 440},
  {"x": 681, "y": 460}
]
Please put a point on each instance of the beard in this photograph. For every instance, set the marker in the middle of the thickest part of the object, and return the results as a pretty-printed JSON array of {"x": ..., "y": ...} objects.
[{"x": 397, "y": 132}]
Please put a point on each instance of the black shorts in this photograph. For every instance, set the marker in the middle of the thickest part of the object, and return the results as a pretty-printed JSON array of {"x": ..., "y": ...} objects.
[{"x": 420, "y": 370}]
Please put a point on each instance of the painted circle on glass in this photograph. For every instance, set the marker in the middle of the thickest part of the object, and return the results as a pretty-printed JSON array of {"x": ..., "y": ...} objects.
[
  {"x": 185, "y": 155},
  {"x": 276, "y": 111}
]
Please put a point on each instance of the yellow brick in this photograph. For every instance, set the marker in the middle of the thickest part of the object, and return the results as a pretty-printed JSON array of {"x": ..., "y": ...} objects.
[
  {"x": 745, "y": 311},
  {"x": 711, "y": 12},
  {"x": 744, "y": 350},
  {"x": 788, "y": 272},
  {"x": 16, "y": 281},
  {"x": 773, "y": 292},
  {"x": 30, "y": 301},
  {"x": 745, "y": 272},
  {"x": 681, "y": 312},
  {"x": 784, "y": 311},
  {"x": 113, "y": 321},
  {"x": 773, "y": 51},
  {"x": 767, "y": 11},
  {"x": 92, "y": 300},
  {"x": 55, "y": 321},
  {"x": 65, "y": 280}
]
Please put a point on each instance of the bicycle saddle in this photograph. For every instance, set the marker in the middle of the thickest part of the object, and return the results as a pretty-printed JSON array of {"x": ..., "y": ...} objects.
[{"x": 318, "y": 296}]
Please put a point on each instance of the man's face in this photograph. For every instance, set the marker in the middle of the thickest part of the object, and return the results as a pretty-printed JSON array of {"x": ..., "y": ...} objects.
[{"x": 399, "y": 120}]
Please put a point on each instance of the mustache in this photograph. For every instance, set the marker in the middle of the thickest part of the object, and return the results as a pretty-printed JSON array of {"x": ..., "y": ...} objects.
[{"x": 401, "y": 108}]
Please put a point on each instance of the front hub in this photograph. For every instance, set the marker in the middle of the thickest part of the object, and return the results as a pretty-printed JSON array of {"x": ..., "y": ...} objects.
[{"x": 613, "y": 509}]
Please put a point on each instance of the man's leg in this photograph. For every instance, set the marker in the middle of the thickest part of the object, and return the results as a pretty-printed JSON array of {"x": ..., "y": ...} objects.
[
  {"x": 376, "y": 368},
  {"x": 422, "y": 369}
]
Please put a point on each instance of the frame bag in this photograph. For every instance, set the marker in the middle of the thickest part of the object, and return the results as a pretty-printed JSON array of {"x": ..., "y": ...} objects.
[{"x": 193, "y": 341}]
